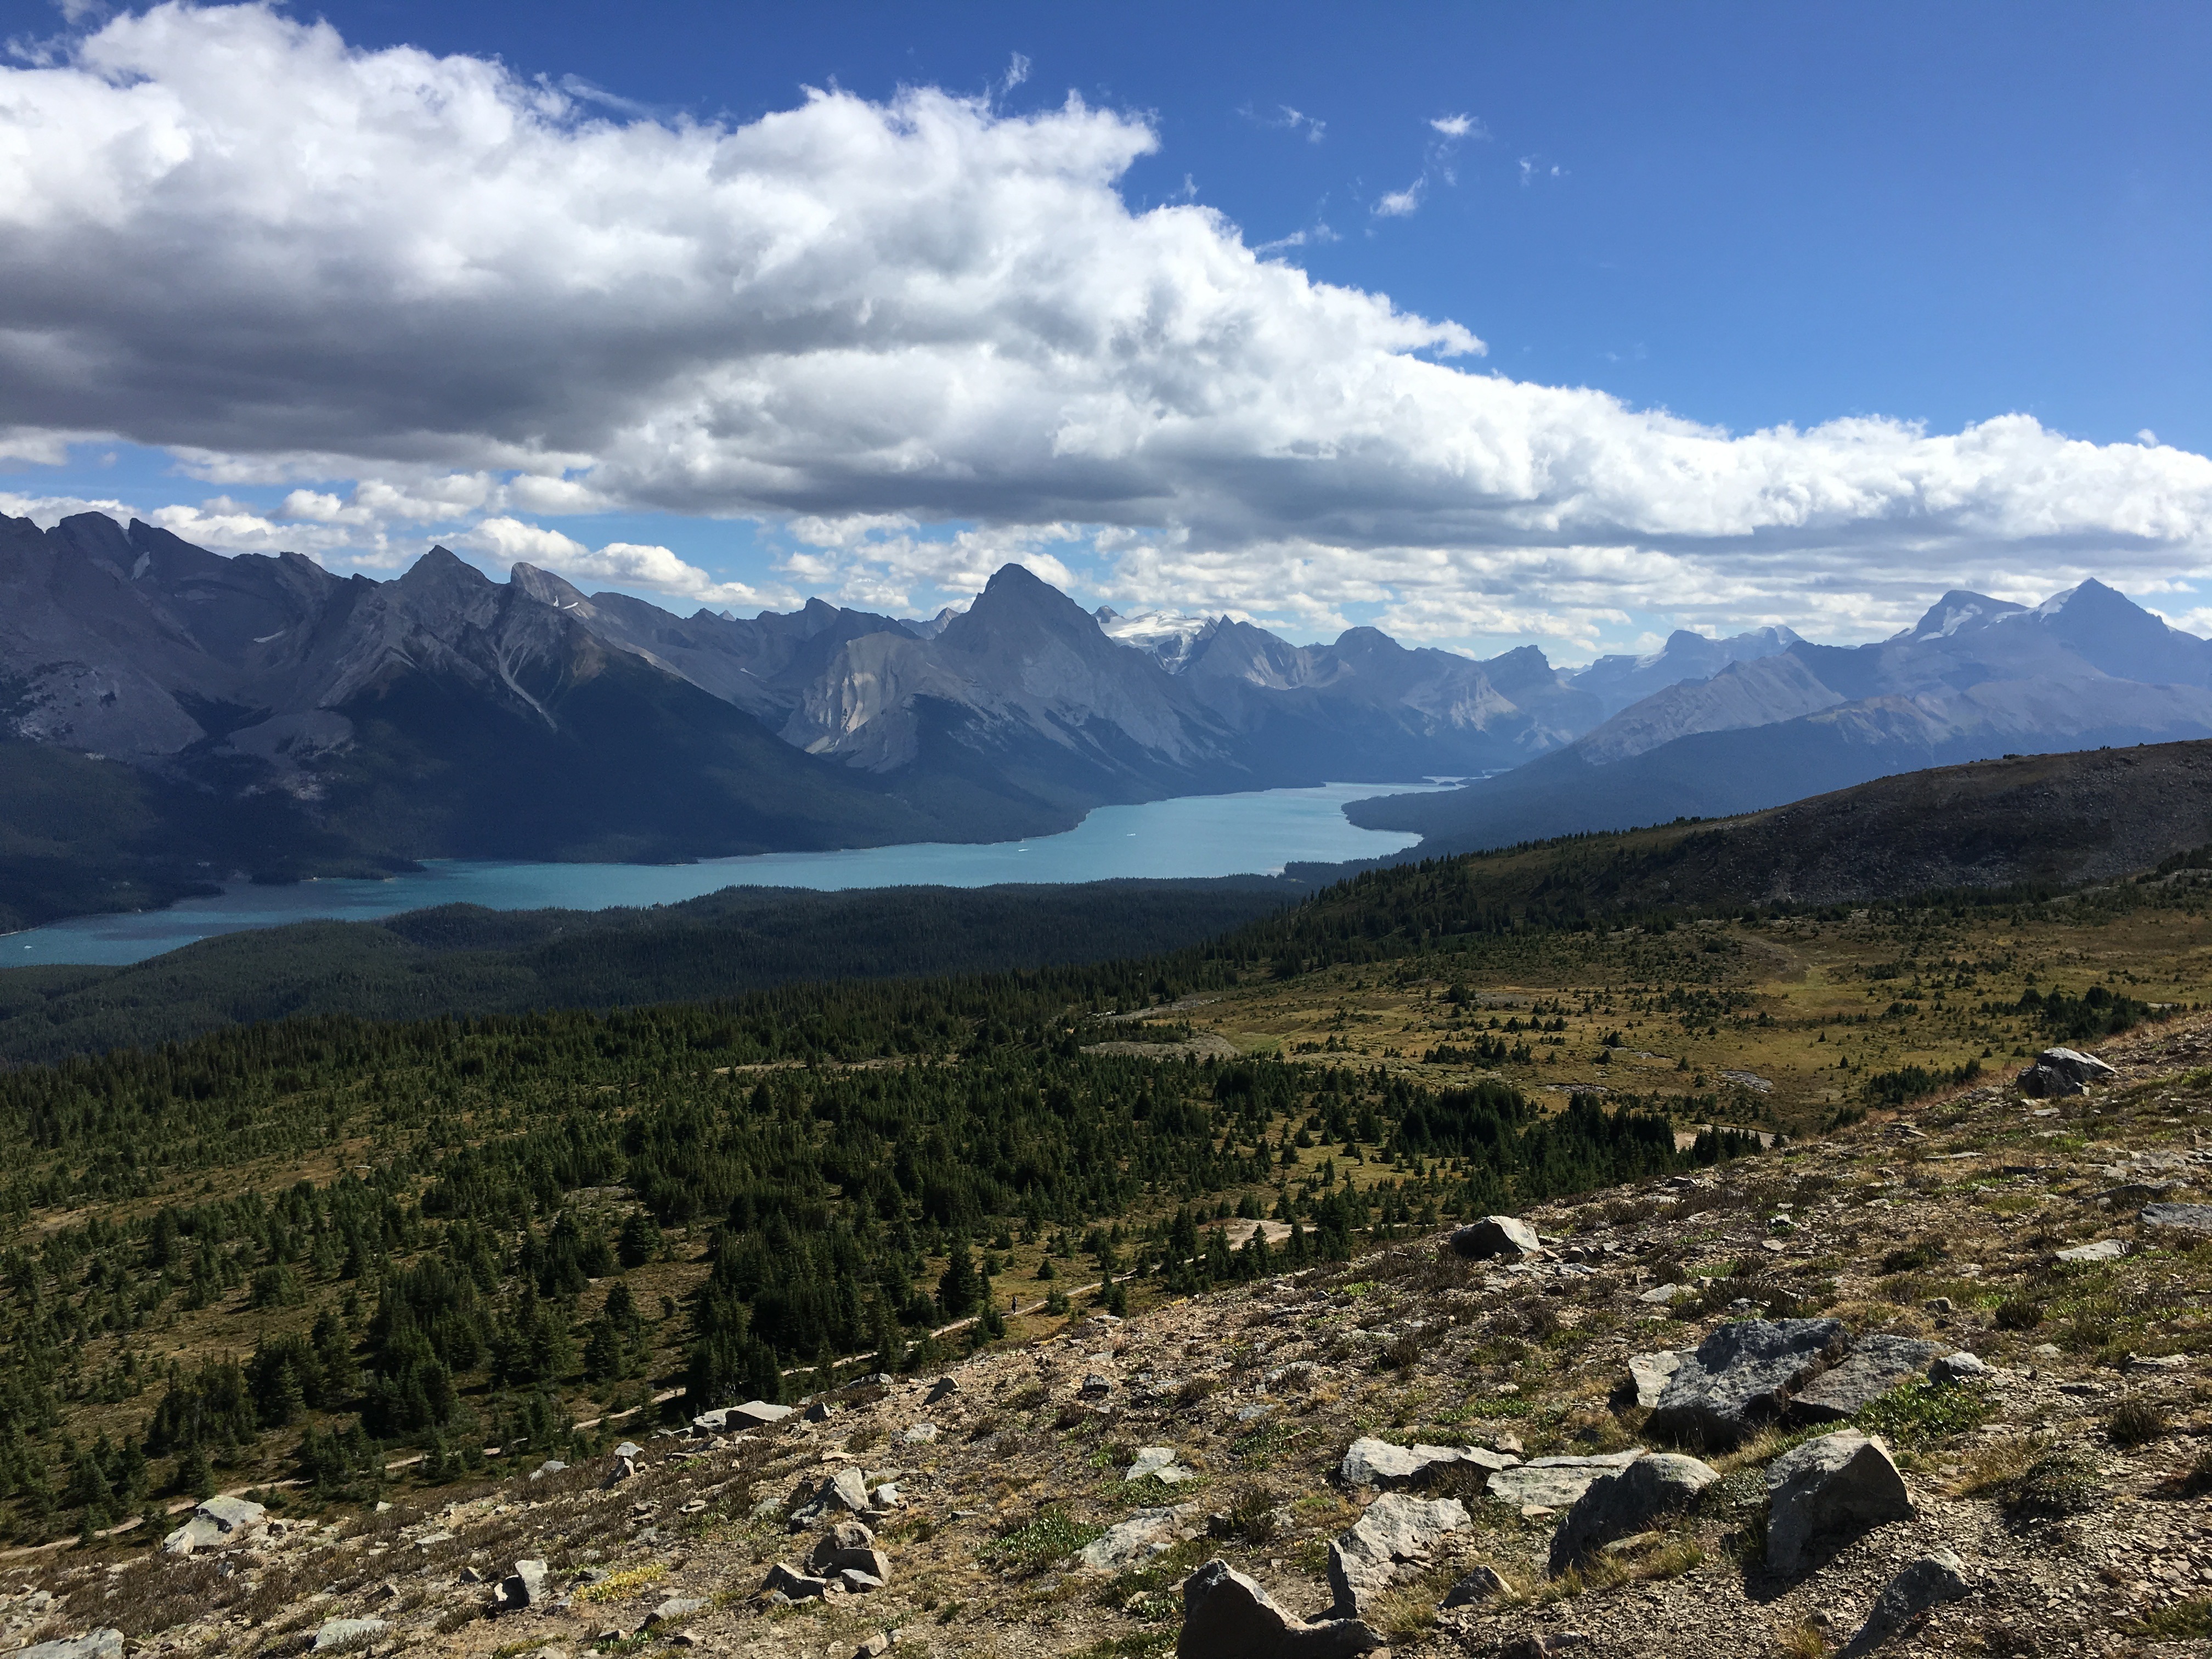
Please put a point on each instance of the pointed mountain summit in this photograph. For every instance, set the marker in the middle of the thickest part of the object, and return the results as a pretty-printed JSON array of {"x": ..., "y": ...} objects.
[{"x": 2111, "y": 633}]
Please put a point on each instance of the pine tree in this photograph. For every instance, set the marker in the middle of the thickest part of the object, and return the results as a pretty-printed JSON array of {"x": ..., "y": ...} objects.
[{"x": 961, "y": 1285}]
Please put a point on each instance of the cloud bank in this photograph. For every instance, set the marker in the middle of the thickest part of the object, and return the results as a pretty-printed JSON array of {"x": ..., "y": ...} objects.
[{"x": 231, "y": 235}]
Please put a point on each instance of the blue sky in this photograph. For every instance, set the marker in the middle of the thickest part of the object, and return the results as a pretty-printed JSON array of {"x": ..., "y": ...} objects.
[{"x": 1748, "y": 217}]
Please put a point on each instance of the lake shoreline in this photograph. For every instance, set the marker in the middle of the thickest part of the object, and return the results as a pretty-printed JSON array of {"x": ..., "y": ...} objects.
[{"x": 1185, "y": 837}]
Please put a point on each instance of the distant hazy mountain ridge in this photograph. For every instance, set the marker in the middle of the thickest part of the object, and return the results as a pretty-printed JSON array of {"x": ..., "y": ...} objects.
[{"x": 1974, "y": 678}]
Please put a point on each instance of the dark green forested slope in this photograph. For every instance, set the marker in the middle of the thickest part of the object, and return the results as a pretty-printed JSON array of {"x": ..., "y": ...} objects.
[
  {"x": 466, "y": 960},
  {"x": 445, "y": 1234}
]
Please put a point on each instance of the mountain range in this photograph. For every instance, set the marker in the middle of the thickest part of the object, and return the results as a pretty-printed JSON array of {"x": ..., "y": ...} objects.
[
  {"x": 1975, "y": 679},
  {"x": 169, "y": 715}
]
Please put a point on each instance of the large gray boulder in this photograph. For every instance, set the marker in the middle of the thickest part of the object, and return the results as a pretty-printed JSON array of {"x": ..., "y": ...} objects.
[
  {"x": 1554, "y": 1483},
  {"x": 1742, "y": 1376},
  {"x": 845, "y": 1492},
  {"x": 219, "y": 1523},
  {"x": 2060, "y": 1072},
  {"x": 847, "y": 1537},
  {"x": 102, "y": 1644},
  {"x": 1226, "y": 1615},
  {"x": 1496, "y": 1235},
  {"x": 785, "y": 1580},
  {"x": 1371, "y": 1462},
  {"x": 1826, "y": 1491},
  {"x": 2185, "y": 1218},
  {"x": 1396, "y": 1531},
  {"x": 527, "y": 1586},
  {"x": 1621, "y": 1506},
  {"x": 1908, "y": 1599},
  {"x": 1874, "y": 1365}
]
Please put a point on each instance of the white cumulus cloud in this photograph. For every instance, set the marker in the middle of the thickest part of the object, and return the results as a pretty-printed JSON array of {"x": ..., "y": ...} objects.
[{"x": 423, "y": 291}]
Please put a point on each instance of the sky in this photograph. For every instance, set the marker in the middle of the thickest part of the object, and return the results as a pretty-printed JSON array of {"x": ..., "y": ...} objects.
[{"x": 1565, "y": 325}]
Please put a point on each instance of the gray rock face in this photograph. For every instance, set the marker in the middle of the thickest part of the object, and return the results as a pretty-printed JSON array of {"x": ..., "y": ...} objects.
[
  {"x": 674, "y": 1610},
  {"x": 1133, "y": 1542},
  {"x": 102, "y": 1644},
  {"x": 1874, "y": 1365},
  {"x": 943, "y": 1388},
  {"x": 846, "y": 1538},
  {"x": 333, "y": 1633},
  {"x": 1623, "y": 1504},
  {"x": 786, "y": 1580},
  {"x": 874, "y": 1563},
  {"x": 1741, "y": 1376},
  {"x": 1496, "y": 1235},
  {"x": 525, "y": 1587},
  {"x": 1226, "y": 1615},
  {"x": 2189, "y": 1218},
  {"x": 1371, "y": 1462},
  {"x": 1828, "y": 1490},
  {"x": 2099, "y": 1249},
  {"x": 1157, "y": 1462},
  {"x": 845, "y": 1492},
  {"x": 1483, "y": 1584},
  {"x": 2059, "y": 1073},
  {"x": 2080, "y": 1067},
  {"x": 1909, "y": 1598},
  {"x": 1556, "y": 1483},
  {"x": 1959, "y": 1367},
  {"x": 1396, "y": 1531},
  {"x": 219, "y": 1523},
  {"x": 1647, "y": 1374}
]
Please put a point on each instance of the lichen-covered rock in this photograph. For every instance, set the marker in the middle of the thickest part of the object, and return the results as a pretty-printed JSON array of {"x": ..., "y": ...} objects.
[
  {"x": 1828, "y": 1490},
  {"x": 1133, "y": 1542},
  {"x": 1395, "y": 1531},
  {"x": 1371, "y": 1462},
  {"x": 1623, "y": 1504},
  {"x": 1226, "y": 1615},
  {"x": 1874, "y": 1365},
  {"x": 219, "y": 1523},
  {"x": 1647, "y": 1374},
  {"x": 1554, "y": 1483},
  {"x": 1742, "y": 1376}
]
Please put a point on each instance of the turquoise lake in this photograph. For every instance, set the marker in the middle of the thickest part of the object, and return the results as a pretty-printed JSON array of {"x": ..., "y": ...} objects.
[{"x": 1256, "y": 833}]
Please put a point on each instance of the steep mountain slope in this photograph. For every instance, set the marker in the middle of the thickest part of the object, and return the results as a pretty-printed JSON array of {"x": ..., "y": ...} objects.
[
  {"x": 439, "y": 714},
  {"x": 1975, "y": 679},
  {"x": 1618, "y": 682}
]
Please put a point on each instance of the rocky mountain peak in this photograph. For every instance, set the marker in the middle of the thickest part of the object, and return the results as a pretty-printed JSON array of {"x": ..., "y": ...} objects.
[
  {"x": 1959, "y": 612},
  {"x": 546, "y": 587}
]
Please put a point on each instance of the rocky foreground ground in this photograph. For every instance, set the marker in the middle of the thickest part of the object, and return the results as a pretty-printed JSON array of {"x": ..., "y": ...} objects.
[{"x": 1932, "y": 1384}]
